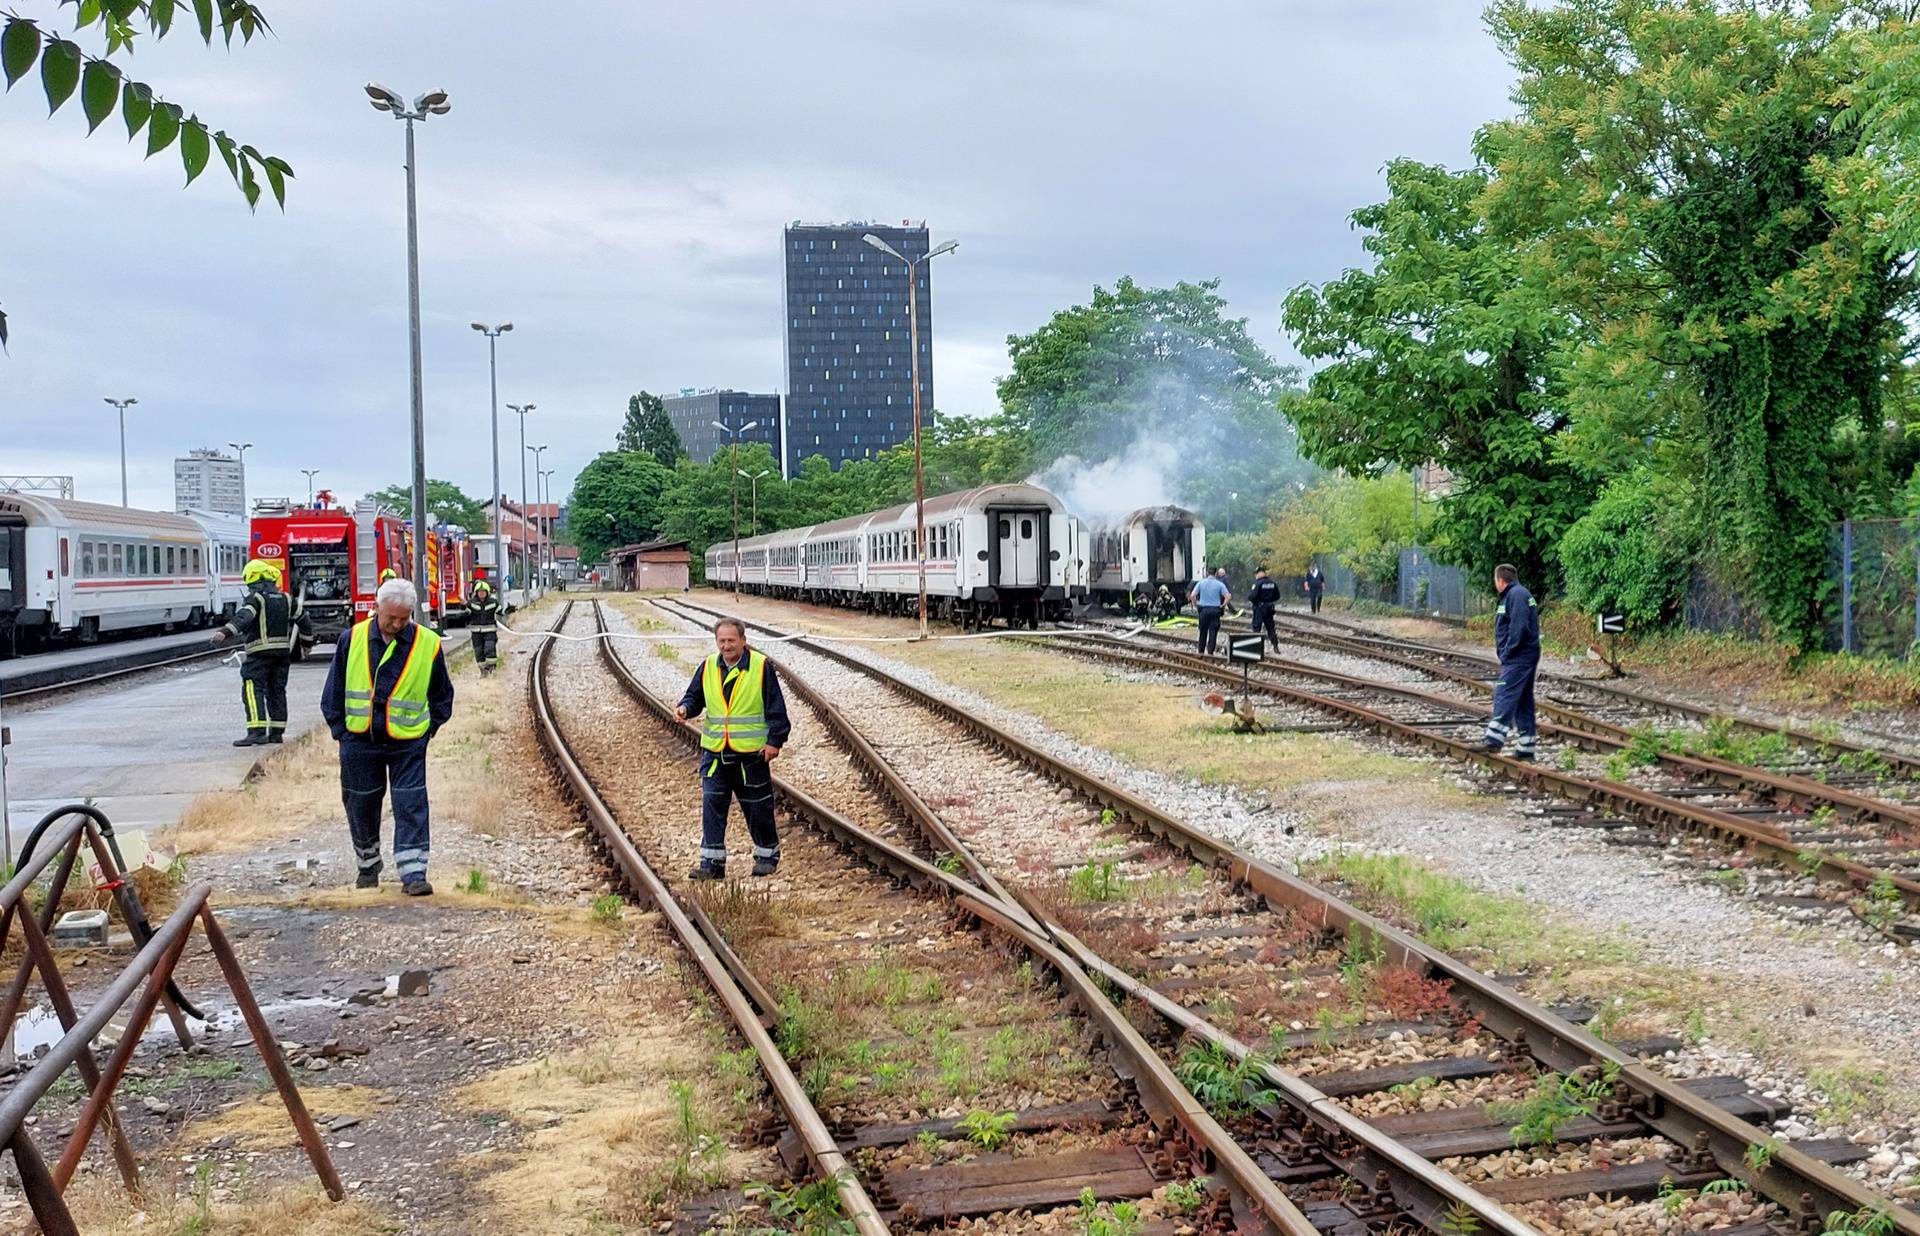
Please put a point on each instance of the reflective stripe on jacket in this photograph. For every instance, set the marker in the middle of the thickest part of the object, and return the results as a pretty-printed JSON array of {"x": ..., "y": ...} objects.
[
  {"x": 275, "y": 619},
  {"x": 407, "y": 714},
  {"x": 736, "y": 721}
]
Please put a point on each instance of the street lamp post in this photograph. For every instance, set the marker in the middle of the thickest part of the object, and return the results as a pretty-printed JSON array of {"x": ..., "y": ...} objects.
[
  {"x": 913, "y": 332},
  {"x": 121, "y": 406},
  {"x": 241, "y": 449},
  {"x": 493, "y": 436},
  {"x": 433, "y": 103},
  {"x": 1232, "y": 498},
  {"x": 753, "y": 491},
  {"x": 733, "y": 462},
  {"x": 526, "y": 567},
  {"x": 532, "y": 568},
  {"x": 310, "y": 473}
]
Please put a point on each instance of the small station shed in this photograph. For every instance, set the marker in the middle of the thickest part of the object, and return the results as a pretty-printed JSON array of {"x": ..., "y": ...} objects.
[{"x": 650, "y": 566}]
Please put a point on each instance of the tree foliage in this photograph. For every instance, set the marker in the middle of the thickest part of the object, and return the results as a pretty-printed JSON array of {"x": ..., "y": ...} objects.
[
  {"x": 446, "y": 503},
  {"x": 1441, "y": 353},
  {"x": 65, "y": 67},
  {"x": 1364, "y": 521},
  {"x": 647, "y": 428},
  {"x": 617, "y": 500},
  {"x": 1629, "y": 553},
  {"x": 1157, "y": 374},
  {"x": 1671, "y": 165}
]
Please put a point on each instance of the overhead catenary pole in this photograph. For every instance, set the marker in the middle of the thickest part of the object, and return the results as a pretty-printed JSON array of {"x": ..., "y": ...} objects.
[
  {"x": 753, "y": 496},
  {"x": 493, "y": 439},
  {"x": 121, "y": 406},
  {"x": 526, "y": 512},
  {"x": 913, "y": 333},
  {"x": 549, "y": 519}
]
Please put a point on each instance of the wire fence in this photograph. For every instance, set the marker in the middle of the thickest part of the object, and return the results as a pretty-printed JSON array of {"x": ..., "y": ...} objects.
[
  {"x": 1421, "y": 585},
  {"x": 1875, "y": 564}
]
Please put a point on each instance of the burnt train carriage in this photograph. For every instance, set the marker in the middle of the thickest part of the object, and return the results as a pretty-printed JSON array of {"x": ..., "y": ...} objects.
[
  {"x": 1008, "y": 552},
  {"x": 1154, "y": 545}
]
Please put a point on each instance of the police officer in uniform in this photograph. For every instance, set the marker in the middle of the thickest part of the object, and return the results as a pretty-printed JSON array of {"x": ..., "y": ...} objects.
[
  {"x": 1263, "y": 596},
  {"x": 746, "y": 725},
  {"x": 483, "y": 619},
  {"x": 1516, "y": 641},
  {"x": 271, "y": 623},
  {"x": 387, "y": 694}
]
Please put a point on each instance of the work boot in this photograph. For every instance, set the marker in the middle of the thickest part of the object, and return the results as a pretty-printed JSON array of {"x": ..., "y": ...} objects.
[
  {"x": 1523, "y": 755},
  {"x": 416, "y": 886},
  {"x": 707, "y": 871},
  {"x": 765, "y": 866},
  {"x": 1490, "y": 746},
  {"x": 251, "y": 740},
  {"x": 276, "y": 737},
  {"x": 369, "y": 877}
]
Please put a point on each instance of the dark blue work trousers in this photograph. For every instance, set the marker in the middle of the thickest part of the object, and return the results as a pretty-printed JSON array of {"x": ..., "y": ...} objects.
[
  {"x": 367, "y": 771},
  {"x": 725, "y": 776},
  {"x": 1513, "y": 703},
  {"x": 1209, "y": 627}
]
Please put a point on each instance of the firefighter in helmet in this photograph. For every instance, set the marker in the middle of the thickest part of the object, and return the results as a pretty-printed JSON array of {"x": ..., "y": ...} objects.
[
  {"x": 483, "y": 619},
  {"x": 272, "y": 624},
  {"x": 387, "y": 573}
]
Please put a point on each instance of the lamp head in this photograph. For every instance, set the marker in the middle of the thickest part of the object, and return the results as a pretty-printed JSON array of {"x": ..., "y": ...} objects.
[
  {"x": 434, "y": 101},
  {"x": 382, "y": 98},
  {"x": 715, "y": 424},
  {"x": 948, "y": 247},
  {"x": 749, "y": 425},
  {"x": 882, "y": 245},
  {"x": 504, "y": 327}
]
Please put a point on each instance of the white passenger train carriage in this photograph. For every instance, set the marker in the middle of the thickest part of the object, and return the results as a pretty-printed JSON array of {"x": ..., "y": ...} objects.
[
  {"x": 84, "y": 569},
  {"x": 1152, "y": 546},
  {"x": 1001, "y": 551}
]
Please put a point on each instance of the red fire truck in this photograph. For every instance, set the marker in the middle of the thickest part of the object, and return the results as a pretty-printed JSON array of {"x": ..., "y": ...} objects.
[
  {"x": 333, "y": 554},
  {"x": 456, "y": 571}
]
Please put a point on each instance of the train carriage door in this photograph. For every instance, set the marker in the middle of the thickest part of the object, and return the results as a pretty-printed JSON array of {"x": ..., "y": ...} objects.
[
  {"x": 1018, "y": 541},
  {"x": 13, "y": 563}
]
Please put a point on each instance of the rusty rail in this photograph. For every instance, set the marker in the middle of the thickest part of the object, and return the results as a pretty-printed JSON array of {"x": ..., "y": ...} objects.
[
  {"x": 720, "y": 973},
  {"x": 1805, "y": 1188},
  {"x": 1650, "y": 805},
  {"x": 1420, "y": 1188},
  {"x": 1255, "y": 1197},
  {"x": 154, "y": 964}
]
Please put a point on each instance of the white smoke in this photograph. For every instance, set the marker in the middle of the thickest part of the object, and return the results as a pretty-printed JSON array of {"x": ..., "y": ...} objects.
[{"x": 1108, "y": 491}]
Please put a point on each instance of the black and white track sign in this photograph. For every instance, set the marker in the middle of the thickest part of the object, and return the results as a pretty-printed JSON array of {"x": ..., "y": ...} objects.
[
  {"x": 1612, "y": 624},
  {"x": 1245, "y": 648}
]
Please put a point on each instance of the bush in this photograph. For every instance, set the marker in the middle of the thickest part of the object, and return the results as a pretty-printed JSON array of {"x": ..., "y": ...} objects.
[{"x": 1630, "y": 553}]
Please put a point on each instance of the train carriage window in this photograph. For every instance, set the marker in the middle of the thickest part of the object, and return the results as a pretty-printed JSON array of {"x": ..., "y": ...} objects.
[
  {"x": 171, "y": 552},
  {"x": 66, "y": 560},
  {"x": 1006, "y": 528},
  {"x": 118, "y": 566},
  {"x": 1026, "y": 529},
  {"x": 86, "y": 559}
]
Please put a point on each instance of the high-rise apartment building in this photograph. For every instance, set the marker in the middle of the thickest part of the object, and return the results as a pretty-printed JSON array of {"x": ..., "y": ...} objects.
[
  {"x": 693, "y": 414},
  {"x": 849, "y": 393},
  {"x": 209, "y": 480}
]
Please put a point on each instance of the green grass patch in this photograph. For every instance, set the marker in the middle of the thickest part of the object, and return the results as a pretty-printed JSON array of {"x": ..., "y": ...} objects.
[{"x": 1452, "y": 915}]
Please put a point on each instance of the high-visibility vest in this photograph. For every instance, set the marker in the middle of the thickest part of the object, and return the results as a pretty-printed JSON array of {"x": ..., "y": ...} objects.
[
  {"x": 742, "y": 724},
  {"x": 407, "y": 715}
]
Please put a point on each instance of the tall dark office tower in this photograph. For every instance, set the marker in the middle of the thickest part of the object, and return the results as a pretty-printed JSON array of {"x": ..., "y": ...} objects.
[{"x": 849, "y": 390}]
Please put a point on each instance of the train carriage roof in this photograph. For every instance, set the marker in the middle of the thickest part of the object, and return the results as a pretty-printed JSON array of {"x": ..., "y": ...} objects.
[
  {"x": 100, "y": 516},
  {"x": 1145, "y": 514},
  {"x": 959, "y": 502}
]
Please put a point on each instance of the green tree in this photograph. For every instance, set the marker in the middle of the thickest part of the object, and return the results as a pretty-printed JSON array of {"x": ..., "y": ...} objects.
[
  {"x": 1364, "y": 521},
  {"x": 67, "y": 68},
  {"x": 446, "y": 503},
  {"x": 648, "y": 428},
  {"x": 1630, "y": 553},
  {"x": 697, "y": 506},
  {"x": 1157, "y": 373},
  {"x": 617, "y": 500},
  {"x": 1442, "y": 353},
  {"x": 1671, "y": 173}
]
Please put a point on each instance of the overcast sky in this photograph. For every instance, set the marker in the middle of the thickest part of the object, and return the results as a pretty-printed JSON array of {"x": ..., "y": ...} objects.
[{"x": 613, "y": 178}]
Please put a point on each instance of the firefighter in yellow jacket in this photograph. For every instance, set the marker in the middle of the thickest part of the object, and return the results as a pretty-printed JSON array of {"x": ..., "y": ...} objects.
[{"x": 272, "y": 624}]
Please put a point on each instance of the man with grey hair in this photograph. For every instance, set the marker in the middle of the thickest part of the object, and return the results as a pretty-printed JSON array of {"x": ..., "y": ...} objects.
[{"x": 387, "y": 694}]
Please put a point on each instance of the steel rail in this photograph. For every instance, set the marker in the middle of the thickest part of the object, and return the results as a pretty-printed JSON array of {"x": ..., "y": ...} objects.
[
  {"x": 1418, "y": 1187},
  {"x": 1360, "y": 642},
  {"x": 1649, "y": 805},
  {"x": 1807, "y": 1189},
  {"x": 806, "y": 1121},
  {"x": 1577, "y": 727},
  {"x": 12, "y": 695},
  {"x": 1255, "y": 1197}
]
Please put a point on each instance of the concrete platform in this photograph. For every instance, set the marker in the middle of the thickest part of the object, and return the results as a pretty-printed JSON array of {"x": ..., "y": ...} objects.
[{"x": 143, "y": 751}]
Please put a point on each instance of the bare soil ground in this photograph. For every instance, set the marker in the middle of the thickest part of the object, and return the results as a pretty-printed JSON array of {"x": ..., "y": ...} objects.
[{"x": 558, "y": 1075}]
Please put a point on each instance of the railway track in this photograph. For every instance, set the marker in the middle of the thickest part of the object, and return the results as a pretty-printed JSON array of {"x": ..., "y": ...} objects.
[
  {"x": 1371, "y": 1055},
  {"x": 24, "y": 681},
  {"x": 1868, "y": 844},
  {"x": 885, "y": 1006}
]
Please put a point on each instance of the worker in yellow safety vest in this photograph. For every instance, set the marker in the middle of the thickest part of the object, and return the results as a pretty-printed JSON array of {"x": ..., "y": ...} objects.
[
  {"x": 744, "y": 728},
  {"x": 386, "y": 696}
]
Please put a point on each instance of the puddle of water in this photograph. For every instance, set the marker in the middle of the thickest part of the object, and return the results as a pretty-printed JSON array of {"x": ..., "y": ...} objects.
[{"x": 39, "y": 1028}]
